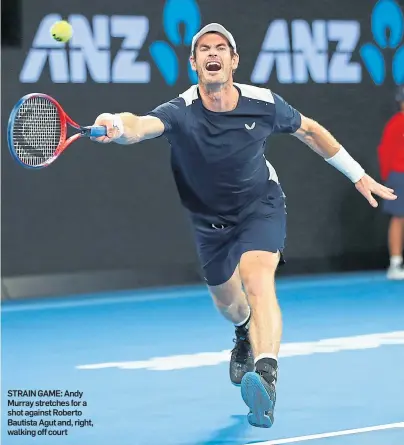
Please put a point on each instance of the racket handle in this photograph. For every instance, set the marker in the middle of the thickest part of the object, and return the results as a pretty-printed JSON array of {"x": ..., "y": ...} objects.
[{"x": 96, "y": 132}]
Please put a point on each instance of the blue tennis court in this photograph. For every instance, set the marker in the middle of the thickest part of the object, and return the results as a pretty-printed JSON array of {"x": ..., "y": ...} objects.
[{"x": 153, "y": 365}]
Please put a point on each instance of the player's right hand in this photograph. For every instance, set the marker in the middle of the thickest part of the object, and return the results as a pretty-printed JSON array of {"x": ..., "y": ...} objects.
[{"x": 114, "y": 126}]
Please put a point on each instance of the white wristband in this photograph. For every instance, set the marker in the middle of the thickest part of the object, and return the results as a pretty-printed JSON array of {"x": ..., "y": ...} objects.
[
  {"x": 345, "y": 163},
  {"x": 118, "y": 124}
]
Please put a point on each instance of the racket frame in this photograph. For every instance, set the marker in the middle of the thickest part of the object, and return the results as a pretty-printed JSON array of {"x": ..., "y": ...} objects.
[{"x": 65, "y": 120}]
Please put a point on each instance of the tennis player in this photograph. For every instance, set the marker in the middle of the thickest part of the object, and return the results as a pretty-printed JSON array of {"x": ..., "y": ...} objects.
[{"x": 217, "y": 130}]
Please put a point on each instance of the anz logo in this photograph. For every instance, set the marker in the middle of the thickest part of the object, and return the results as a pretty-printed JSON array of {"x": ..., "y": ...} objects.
[
  {"x": 89, "y": 53},
  {"x": 300, "y": 51},
  {"x": 294, "y": 52},
  {"x": 388, "y": 32},
  {"x": 163, "y": 53}
]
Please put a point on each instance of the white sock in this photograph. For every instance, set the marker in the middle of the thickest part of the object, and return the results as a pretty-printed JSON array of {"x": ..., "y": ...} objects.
[
  {"x": 396, "y": 261},
  {"x": 259, "y": 357},
  {"x": 245, "y": 320}
]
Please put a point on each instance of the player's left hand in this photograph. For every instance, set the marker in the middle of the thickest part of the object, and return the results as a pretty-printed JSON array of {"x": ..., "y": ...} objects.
[{"x": 368, "y": 185}]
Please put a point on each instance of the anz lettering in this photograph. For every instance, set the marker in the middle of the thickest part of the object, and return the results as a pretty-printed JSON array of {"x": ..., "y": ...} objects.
[
  {"x": 301, "y": 52},
  {"x": 295, "y": 52},
  {"x": 89, "y": 51},
  {"x": 88, "y": 55}
]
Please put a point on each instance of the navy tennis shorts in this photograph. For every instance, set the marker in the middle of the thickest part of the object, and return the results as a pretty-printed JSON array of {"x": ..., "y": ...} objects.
[
  {"x": 396, "y": 207},
  {"x": 220, "y": 245}
]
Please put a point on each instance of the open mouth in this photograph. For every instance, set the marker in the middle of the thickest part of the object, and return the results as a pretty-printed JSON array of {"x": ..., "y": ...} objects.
[{"x": 213, "y": 66}]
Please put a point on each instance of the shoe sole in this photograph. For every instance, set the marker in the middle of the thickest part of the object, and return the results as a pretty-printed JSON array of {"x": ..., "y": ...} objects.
[{"x": 257, "y": 399}]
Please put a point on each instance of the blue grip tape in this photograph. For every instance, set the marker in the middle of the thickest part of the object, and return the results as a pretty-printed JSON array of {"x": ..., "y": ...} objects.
[{"x": 97, "y": 132}]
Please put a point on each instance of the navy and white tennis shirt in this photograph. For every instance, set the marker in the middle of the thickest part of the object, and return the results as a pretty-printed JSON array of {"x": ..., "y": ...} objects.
[{"x": 217, "y": 158}]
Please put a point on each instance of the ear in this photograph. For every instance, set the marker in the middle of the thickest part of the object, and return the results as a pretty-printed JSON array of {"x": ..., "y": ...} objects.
[
  {"x": 234, "y": 61},
  {"x": 193, "y": 63}
]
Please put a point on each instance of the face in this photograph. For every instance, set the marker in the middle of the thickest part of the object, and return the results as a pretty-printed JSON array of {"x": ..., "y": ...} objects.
[{"x": 213, "y": 60}]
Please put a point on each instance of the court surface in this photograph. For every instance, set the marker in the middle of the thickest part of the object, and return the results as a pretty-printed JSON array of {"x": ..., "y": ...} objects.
[{"x": 153, "y": 365}]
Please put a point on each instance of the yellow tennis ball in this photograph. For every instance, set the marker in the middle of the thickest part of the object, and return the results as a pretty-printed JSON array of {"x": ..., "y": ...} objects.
[{"x": 61, "y": 31}]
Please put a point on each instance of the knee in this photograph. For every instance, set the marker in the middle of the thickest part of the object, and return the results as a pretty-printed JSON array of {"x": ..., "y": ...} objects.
[
  {"x": 256, "y": 282},
  {"x": 258, "y": 274}
]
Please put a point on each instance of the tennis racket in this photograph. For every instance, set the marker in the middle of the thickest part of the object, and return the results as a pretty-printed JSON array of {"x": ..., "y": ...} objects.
[{"x": 37, "y": 131}]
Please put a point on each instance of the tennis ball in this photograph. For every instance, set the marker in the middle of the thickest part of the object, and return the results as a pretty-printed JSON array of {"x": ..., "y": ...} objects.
[{"x": 61, "y": 31}]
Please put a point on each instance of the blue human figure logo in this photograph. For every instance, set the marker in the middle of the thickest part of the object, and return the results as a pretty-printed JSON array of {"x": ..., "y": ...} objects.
[
  {"x": 163, "y": 54},
  {"x": 388, "y": 31}
]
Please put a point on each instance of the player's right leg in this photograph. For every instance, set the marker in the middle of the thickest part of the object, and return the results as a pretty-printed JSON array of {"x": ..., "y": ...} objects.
[
  {"x": 216, "y": 245},
  {"x": 258, "y": 389},
  {"x": 231, "y": 301}
]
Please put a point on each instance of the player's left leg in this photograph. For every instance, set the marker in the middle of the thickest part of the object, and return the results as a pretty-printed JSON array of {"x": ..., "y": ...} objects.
[{"x": 257, "y": 272}]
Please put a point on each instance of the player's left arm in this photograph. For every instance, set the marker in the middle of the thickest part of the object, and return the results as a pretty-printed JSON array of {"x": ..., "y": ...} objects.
[{"x": 323, "y": 143}]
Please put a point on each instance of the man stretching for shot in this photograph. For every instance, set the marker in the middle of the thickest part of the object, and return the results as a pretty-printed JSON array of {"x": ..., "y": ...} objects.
[{"x": 217, "y": 131}]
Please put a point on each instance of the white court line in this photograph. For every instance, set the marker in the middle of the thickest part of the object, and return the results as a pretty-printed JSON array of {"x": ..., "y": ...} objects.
[
  {"x": 332, "y": 434},
  {"x": 98, "y": 300},
  {"x": 198, "y": 291},
  {"x": 199, "y": 359}
]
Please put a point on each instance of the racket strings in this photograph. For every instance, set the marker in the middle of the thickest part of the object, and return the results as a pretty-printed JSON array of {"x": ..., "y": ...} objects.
[{"x": 37, "y": 130}]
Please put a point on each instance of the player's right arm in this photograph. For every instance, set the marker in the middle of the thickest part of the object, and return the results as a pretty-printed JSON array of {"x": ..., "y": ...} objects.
[{"x": 127, "y": 128}]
